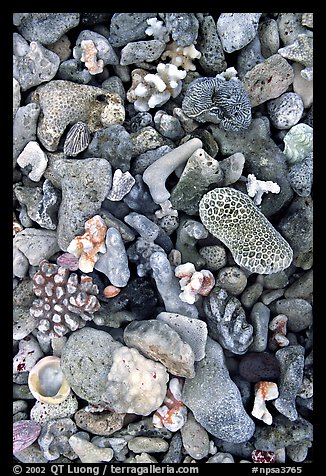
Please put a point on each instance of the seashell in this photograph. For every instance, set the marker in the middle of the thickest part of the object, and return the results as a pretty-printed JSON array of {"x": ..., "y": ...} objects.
[
  {"x": 47, "y": 382},
  {"x": 25, "y": 432},
  {"x": 68, "y": 261},
  {"x": 111, "y": 291},
  {"x": 77, "y": 139}
]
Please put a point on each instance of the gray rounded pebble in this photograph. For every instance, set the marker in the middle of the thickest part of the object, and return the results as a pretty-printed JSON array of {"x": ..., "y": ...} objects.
[
  {"x": 47, "y": 28},
  {"x": 24, "y": 127},
  {"x": 298, "y": 312},
  {"x": 286, "y": 110},
  {"x": 215, "y": 400},
  {"x": 86, "y": 360},
  {"x": 141, "y": 51},
  {"x": 267, "y": 297},
  {"x": 249, "y": 56},
  {"x": 31, "y": 455},
  {"x": 70, "y": 70},
  {"x": 259, "y": 319},
  {"x": 183, "y": 27},
  {"x": 174, "y": 453},
  {"x": 168, "y": 126},
  {"x": 24, "y": 323},
  {"x": 251, "y": 294},
  {"x": 232, "y": 279},
  {"x": 212, "y": 58},
  {"x": 301, "y": 176},
  {"x": 126, "y": 27},
  {"x": 195, "y": 438},
  {"x": 141, "y": 444},
  {"x": 236, "y": 30},
  {"x": 114, "y": 85},
  {"x": 301, "y": 288},
  {"x": 276, "y": 280},
  {"x": 269, "y": 37}
]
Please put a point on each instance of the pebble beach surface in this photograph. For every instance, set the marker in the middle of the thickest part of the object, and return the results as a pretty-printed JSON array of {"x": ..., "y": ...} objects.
[{"x": 162, "y": 238}]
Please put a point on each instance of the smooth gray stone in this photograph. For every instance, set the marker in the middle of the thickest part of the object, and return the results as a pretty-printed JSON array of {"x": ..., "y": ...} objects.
[{"x": 215, "y": 400}]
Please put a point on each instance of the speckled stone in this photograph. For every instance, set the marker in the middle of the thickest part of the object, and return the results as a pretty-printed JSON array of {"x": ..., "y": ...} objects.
[
  {"x": 256, "y": 366},
  {"x": 273, "y": 76},
  {"x": 212, "y": 58},
  {"x": 215, "y": 400},
  {"x": 236, "y": 30},
  {"x": 195, "y": 438},
  {"x": 269, "y": 37},
  {"x": 298, "y": 312},
  {"x": 285, "y": 111},
  {"x": 259, "y": 319}
]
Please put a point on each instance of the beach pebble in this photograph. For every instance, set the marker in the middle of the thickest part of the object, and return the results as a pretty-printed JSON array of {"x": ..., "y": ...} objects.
[
  {"x": 158, "y": 341},
  {"x": 173, "y": 455},
  {"x": 269, "y": 37},
  {"x": 301, "y": 176},
  {"x": 256, "y": 366},
  {"x": 212, "y": 392},
  {"x": 70, "y": 70},
  {"x": 195, "y": 438},
  {"x": 221, "y": 458},
  {"x": 114, "y": 85},
  {"x": 15, "y": 96},
  {"x": 141, "y": 444},
  {"x": 36, "y": 244},
  {"x": 20, "y": 263},
  {"x": 86, "y": 360},
  {"x": 24, "y": 323},
  {"x": 54, "y": 436},
  {"x": 24, "y": 127},
  {"x": 296, "y": 227},
  {"x": 28, "y": 354},
  {"x": 291, "y": 359},
  {"x": 137, "y": 51},
  {"x": 103, "y": 423},
  {"x": 298, "y": 312},
  {"x": 113, "y": 144},
  {"x": 275, "y": 280},
  {"x": 104, "y": 51},
  {"x": 259, "y": 319},
  {"x": 183, "y": 27},
  {"x": 232, "y": 279},
  {"x": 46, "y": 28},
  {"x": 62, "y": 47},
  {"x": 251, "y": 294},
  {"x": 283, "y": 433},
  {"x": 249, "y": 56},
  {"x": 87, "y": 451},
  {"x": 236, "y": 30},
  {"x": 44, "y": 412},
  {"x": 301, "y": 287},
  {"x": 168, "y": 126},
  {"x": 127, "y": 27},
  {"x": 35, "y": 67},
  {"x": 289, "y": 27},
  {"x": 212, "y": 58},
  {"x": 274, "y": 76},
  {"x": 191, "y": 331},
  {"x": 31, "y": 455},
  {"x": 285, "y": 111}
]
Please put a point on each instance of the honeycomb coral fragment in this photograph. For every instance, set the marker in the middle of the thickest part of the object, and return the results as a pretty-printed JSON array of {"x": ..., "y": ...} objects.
[
  {"x": 64, "y": 102},
  {"x": 63, "y": 303},
  {"x": 255, "y": 245}
]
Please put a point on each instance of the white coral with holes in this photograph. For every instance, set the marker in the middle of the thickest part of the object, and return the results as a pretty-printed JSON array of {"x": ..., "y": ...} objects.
[
  {"x": 135, "y": 384},
  {"x": 181, "y": 56}
]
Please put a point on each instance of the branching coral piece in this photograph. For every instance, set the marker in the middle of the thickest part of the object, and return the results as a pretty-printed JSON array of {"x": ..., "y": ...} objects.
[
  {"x": 86, "y": 246},
  {"x": 181, "y": 56},
  {"x": 157, "y": 29},
  {"x": 193, "y": 283},
  {"x": 89, "y": 57},
  {"x": 173, "y": 413},
  {"x": 255, "y": 245},
  {"x": 264, "y": 391},
  {"x": 63, "y": 304},
  {"x": 151, "y": 90},
  {"x": 256, "y": 188}
]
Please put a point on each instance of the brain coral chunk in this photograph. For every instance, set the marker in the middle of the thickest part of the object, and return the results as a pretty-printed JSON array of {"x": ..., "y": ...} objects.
[
  {"x": 65, "y": 103},
  {"x": 255, "y": 245},
  {"x": 135, "y": 384}
]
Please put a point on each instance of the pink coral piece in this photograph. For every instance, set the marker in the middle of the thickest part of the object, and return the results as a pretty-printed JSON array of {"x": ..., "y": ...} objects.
[
  {"x": 278, "y": 328},
  {"x": 173, "y": 413},
  {"x": 89, "y": 57},
  {"x": 86, "y": 246},
  {"x": 25, "y": 432},
  {"x": 193, "y": 283},
  {"x": 68, "y": 261},
  {"x": 260, "y": 456}
]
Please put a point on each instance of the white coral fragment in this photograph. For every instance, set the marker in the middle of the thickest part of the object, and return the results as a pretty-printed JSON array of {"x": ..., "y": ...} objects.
[
  {"x": 264, "y": 391},
  {"x": 166, "y": 210},
  {"x": 181, "y": 56},
  {"x": 173, "y": 413},
  {"x": 135, "y": 384},
  {"x": 151, "y": 90},
  {"x": 89, "y": 57},
  {"x": 193, "y": 283},
  {"x": 256, "y": 188},
  {"x": 86, "y": 246},
  {"x": 88, "y": 452},
  {"x": 157, "y": 29},
  {"x": 228, "y": 74},
  {"x": 33, "y": 156}
]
